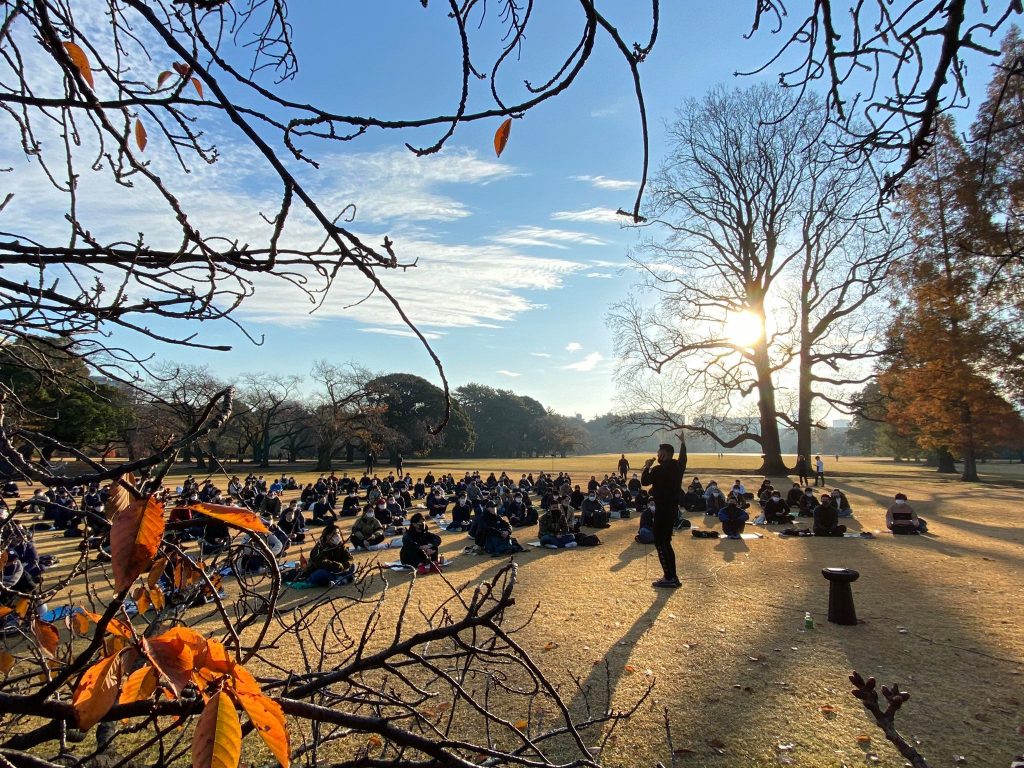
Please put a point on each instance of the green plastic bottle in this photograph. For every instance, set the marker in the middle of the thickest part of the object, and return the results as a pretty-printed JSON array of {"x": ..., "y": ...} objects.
[{"x": 808, "y": 621}]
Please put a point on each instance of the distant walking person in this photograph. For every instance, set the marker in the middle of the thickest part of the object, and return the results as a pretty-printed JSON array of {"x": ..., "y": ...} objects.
[
  {"x": 665, "y": 480},
  {"x": 399, "y": 463},
  {"x": 801, "y": 469},
  {"x": 819, "y": 472},
  {"x": 623, "y": 466},
  {"x": 370, "y": 461}
]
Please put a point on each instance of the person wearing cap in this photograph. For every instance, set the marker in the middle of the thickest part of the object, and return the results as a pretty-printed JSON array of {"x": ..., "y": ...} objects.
[
  {"x": 826, "y": 518},
  {"x": 553, "y": 529},
  {"x": 367, "y": 530},
  {"x": 901, "y": 519},
  {"x": 419, "y": 546}
]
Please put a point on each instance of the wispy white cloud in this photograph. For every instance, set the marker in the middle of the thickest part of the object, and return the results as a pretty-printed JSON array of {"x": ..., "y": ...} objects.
[
  {"x": 601, "y": 275},
  {"x": 512, "y": 374},
  {"x": 544, "y": 237},
  {"x": 611, "y": 109},
  {"x": 540, "y": 354},
  {"x": 603, "y": 182},
  {"x": 573, "y": 346},
  {"x": 604, "y": 264},
  {"x": 586, "y": 364},
  {"x": 591, "y": 216},
  {"x": 430, "y": 336}
]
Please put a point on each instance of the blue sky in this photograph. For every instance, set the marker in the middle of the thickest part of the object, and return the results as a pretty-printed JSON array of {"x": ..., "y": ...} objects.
[{"x": 519, "y": 258}]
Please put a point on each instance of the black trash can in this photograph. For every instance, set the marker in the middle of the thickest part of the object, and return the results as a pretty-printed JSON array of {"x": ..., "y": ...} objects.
[{"x": 840, "y": 595}]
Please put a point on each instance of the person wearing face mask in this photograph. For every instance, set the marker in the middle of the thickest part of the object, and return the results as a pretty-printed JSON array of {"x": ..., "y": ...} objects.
[
  {"x": 519, "y": 514},
  {"x": 776, "y": 510},
  {"x": 645, "y": 535},
  {"x": 826, "y": 518},
  {"x": 367, "y": 531},
  {"x": 419, "y": 546},
  {"x": 714, "y": 500},
  {"x": 496, "y": 533},
  {"x": 808, "y": 503},
  {"x": 553, "y": 529},
  {"x": 900, "y": 517},
  {"x": 617, "y": 505},
  {"x": 330, "y": 562},
  {"x": 292, "y": 523},
  {"x": 593, "y": 512},
  {"x": 323, "y": 511},
  {"x": 350, "y": 506},
  {"x": 462, "y": 513},
  {"x": 437, "y": 503}
]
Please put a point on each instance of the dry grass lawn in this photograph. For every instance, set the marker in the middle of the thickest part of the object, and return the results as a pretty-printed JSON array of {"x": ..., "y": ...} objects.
[{"x": 731, "y": 658}]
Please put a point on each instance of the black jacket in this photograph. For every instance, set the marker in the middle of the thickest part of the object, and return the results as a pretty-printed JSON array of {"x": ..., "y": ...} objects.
[{"x": 665, "y": 480}]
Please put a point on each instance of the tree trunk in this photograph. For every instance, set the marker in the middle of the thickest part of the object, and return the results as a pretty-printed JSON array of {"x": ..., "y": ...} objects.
[
  {"x": 350, "y": 453},
  {"x": 946, "y": 463},
  {"x": 771, "y": 445},
  {"x": 804, "y": 425},
  {"x": 970, "y": 473},
  {"x": 324, "y": 455}
]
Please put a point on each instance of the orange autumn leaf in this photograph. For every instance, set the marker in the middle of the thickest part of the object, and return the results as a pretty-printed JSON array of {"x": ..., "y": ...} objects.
[
  {"x": 521, "y": 725},
  {"x": 3, "y": 559},
  {"x": 139, "y": 686},
  {"x": 115, "y": 627},
  {"x": 162, "y": 78},
  {"x": 135, "y": 535},
  {"x": 140, "y": 135},
  {"x": 156, "y": 572},
  {"x": 21, "y": 607},
  {"x": 501, "y": 136},
  {"x": 46, "y": 635},
  {"x": 198, "y": 86},
  {"x": 268, "y": 719},
  {"x": 97, "y": 690},
  {"x": 80, "y": 623},
  {"x": 157, "y": 598},
  {"x": 374, "y": 740},
  {"x": 182, "y": 69},
  {"x": 176, "y": 654},
  {"x": 81, "y": 61},
  {"x": 217, "y": 741},
  {"x": 118, "y": 496},
  {"x": 5, "y": 610},
  {"x": 242, "y": 518},
  {"x": 6, "y": 662}
]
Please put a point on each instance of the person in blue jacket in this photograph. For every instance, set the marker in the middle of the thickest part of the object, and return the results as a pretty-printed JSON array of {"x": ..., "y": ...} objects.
[{"x": 734, "y": 518}]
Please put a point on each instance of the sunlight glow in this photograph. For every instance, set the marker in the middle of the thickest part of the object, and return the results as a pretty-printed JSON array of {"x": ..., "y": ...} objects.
[{"x": 743, "y": 328}]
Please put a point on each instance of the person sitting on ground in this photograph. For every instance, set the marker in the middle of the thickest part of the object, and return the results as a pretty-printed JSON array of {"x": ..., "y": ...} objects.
[
  {"x": 734, "y": 518},
  {"x": 776, "y": 510},
  {"x": 330, "y": 562},
  {"x": 576, "y": 498},
  {"x": 367, "y": 531},
  {"x": 634, "y": 485},
  {"x": 765, "y": 490},
  {"x": 252, "y": 559},
  {"x": 826, "y": 518},
  {"x": 618, "y": 505},
  {"x": 21, "y": 550},
  {"x": 350, "y": 505},
  {"x": 214, "y": 535},
  {"x": 272, "y": 504},
  {"x": 292, "y": 523},
  {"x": 739, "y": 489},
  {"x": 553, "y": 529},
  {"x": 497, "y": 533},
  {"x": 808, "y": 503},
  {"x": 900, "y": 517},
  {"x": 793, "y": 497},
  {"x": 419, "y": 546},
  {"x": 714, "y": 501},
  {"x": 323, "y": 511},
  {"x": 645, "y": 534},
  {"x": 519, "y": 514},
  {"x": 437, "y": 503},
  {"x": 842, "y": 503},
  {"x": 462, "y": 513},
  {"x": 593, "y": 512},
  {"x": 11, "y": 490},
  {"x": 693, "y": 499}
]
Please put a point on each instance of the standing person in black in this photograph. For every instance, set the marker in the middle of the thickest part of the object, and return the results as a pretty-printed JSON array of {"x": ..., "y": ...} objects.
[
  {"x": 665, "y": 480},
  {"x": 801, "y": 469},
  {"x": 623, "y": 466},
  {"x": 371, "y": 459}
]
